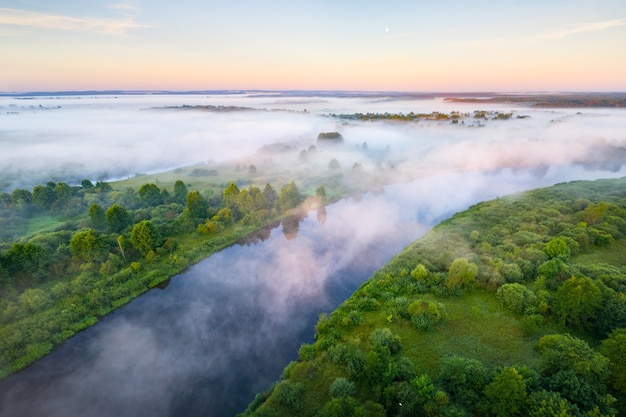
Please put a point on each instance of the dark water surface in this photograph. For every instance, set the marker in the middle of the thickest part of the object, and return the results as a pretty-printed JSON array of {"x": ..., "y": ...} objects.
[{"x": 224, "y": 330}]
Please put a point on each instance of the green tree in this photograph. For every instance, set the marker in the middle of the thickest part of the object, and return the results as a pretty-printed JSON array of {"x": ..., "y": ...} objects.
[
  {"x": 21, "y": 198},
  {"x": 271, "y": 196},
  {"x": 320, "y": 192},
  {"x": 464, "y": 378},
  {"x": 43, "y": 197},
  {"x": 231, "y": 200},
  {"x": 290, "y": 196},
  {"x": 97, "y": 217},
  {"x": 461, "y": 274},
  {"x": 144, "y": 237},
  {"x": 117, "y": 218},
  {"x": 341, "y": 387},
  {"x": 27, "y": 262},
  {"x": 426, "y": 315},
  {"x": 86, "y": 184},
  {"x": 180, "y": 192},
  {"x": 546, "y": 403},
  {"x": 557, "y": 248},
  {"x": 577, "y": 300},
  {"x": 196, "y": 206},
  {"x": 88, "y": 246},
  {"x": 614, "y": 348},
  {"x": 506, "y": 393},
  {"x": 575, "y": 370},
  {"x": 517, "y": 298},
  {"x": 150, "y": 195}
]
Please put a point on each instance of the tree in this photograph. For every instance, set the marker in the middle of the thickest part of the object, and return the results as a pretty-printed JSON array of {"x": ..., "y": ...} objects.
[
  {"x": 546, "y": 403},
  {"x": 21, "y": 198},
  {"x": 517, "y": 298},
  {"x": 180, "y": 192},
  {"x": 334, "y": 165},
  {"x": 577, "y": 300},
  {"x": 231, "y": 198},
  {"x": 461, "y": 274},
  {"x": 271, "y": 196},
  {"x": 464, "y": 378},
  {"x": 196, "y": 206},
  {"x": 614, "y": 348},
  {"x": 506, "y": 393},
  {"x": 97, "y": 217},
  {"x": 426, "y": 315},
  {"x": 26, "y": 261},
  {"x": 88, "y": 246},
  {"x": 43, "y": 197},
  {"x": 150, "y": 195},
  {"x": 575, "y": 370},
  {"x": 557, "y": 248},
  {"x": 341, "y": 387},
  {"x": 320, "y": 192},
  {"x": 144, "y": 237},
  {"x": 289, "y": 196},
  {"x": 117, "y": 218}
]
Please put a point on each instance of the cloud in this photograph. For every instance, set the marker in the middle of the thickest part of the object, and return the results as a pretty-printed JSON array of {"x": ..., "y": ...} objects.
[
  {"x": 17, "y": 17},
  {"x": 582, "y": 28}
]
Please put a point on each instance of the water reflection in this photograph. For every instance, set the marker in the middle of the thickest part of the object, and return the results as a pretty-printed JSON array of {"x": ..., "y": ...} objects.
[{"x": 223, "y": 331}]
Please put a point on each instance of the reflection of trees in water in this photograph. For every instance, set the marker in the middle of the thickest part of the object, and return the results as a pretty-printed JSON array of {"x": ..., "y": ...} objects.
[
  {"x": 258, "y": 236},
  {"x": 321, "y": 214},
  {"x": 291, "y": 225},
  {"x": 163, "y": 285}
]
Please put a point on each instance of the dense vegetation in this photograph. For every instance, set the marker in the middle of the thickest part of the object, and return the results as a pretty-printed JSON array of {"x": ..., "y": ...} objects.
[
  {"x": 514, "y": 307},
  {"x": 552, "y": 100},
  {"x": 453, "y": 117},
  {"x": 71, "y": 254}
]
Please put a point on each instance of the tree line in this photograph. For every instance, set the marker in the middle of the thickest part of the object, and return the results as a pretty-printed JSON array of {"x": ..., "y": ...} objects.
[{"x": 105, "y": 246}]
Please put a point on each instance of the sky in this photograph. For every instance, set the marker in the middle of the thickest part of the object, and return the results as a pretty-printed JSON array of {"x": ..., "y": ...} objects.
[{"x": 448, "y": 45}]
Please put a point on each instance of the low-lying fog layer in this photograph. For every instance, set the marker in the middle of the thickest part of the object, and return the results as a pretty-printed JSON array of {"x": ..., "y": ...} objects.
[
  {"x": 223, "y": 331},
  {"x": 105, "y": 137}
]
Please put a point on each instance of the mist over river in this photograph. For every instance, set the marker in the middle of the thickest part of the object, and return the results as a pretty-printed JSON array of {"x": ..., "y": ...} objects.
[{"x": 223, "y": 330}]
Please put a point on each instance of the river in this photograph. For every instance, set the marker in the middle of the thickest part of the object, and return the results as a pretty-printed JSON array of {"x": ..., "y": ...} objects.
[{"x": 222, "y": 331}]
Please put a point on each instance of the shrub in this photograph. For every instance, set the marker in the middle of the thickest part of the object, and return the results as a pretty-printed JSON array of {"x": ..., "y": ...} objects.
[
  {"x": 517, "y": 298},
  {"x": 426, "y": 315},
  {"x": 341, "y": 387},
  {"x": 289, "y": 394}
]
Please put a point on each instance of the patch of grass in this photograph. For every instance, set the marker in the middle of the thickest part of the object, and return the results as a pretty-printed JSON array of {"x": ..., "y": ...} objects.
[{"x": 613, "y": 254}]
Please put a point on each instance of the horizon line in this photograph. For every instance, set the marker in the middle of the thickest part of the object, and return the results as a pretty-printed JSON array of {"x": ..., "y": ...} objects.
[{"x": 292, "y": 91}]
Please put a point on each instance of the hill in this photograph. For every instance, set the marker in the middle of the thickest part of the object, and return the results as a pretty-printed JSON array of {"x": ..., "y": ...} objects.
[{"x": 516, "y": 306}]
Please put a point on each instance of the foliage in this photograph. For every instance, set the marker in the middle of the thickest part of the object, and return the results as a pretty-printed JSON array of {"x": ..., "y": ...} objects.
[
  {"x": 528, "y": 259},
  {"x": 144, "y": 237},
  {"x": 506, "y": 393},
  {"x": 461, "y": 274},
  {"x": 614, "y": 348},
  {"x": 426, "y": 315},
  {"x": 577, "y": 300},
  {"x": 341, "y": 387},
  {"x": 517, "y": 298}
]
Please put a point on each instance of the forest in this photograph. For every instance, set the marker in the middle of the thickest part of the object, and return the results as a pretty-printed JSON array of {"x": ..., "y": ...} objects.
[
  {"x": 516, "y": 306},
  {"x": 71, "y": 254}
]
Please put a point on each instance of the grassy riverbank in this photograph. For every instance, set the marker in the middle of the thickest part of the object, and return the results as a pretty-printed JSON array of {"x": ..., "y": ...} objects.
[{"x": 516, "y": 306}]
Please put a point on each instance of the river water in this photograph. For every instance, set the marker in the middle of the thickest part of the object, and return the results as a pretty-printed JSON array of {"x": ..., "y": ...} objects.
[{"x": 223, "y": 330}]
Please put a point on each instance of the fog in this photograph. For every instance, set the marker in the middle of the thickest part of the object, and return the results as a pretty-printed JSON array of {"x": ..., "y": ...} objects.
[
  {"x": 70, "y": 138},
  {"x": 224, "y": 330}
]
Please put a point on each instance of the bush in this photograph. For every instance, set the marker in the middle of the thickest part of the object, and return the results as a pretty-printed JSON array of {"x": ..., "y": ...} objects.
[
  {"x": 426, "y": 315},
  {"x": 341, "y": 387},
  {"x": 289, "y": 394},
  {"x": 385, "y": 337},
  {"x": 517, "y": 298}
]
